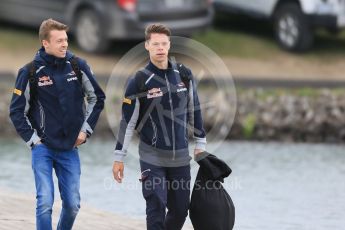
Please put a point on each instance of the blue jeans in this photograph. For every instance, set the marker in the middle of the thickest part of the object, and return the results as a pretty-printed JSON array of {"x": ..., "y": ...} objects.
[
  {"x": 165, "y": 188},
  {"x": 67, "y": 169}
]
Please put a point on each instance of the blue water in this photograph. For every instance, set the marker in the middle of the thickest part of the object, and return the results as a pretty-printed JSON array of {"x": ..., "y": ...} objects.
[{"x": 273, "y": 185}]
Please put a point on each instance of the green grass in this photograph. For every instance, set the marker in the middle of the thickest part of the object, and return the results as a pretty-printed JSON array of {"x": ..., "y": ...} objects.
[
  {"x": 264, "y": 94},
  {"x": 245, "y": 38},
  {"x": 237, "y": 44},
  {"x": 249, "y": 125}
]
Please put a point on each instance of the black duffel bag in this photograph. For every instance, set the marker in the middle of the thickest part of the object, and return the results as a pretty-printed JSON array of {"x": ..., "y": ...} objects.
[{"x": 211, "y": 207}]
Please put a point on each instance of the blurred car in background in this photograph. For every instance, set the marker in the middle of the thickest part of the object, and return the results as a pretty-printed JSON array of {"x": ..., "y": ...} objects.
[
  {"x": 294, "y": 20},
  {"x": 95, "y": 23}
]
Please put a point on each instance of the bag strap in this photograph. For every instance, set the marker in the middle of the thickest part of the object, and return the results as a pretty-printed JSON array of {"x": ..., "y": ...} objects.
[
  {"x": 185, "y": 75},
  {"x": 141, "y": 78},
  {"x": 32, "y": 81},
  {"x": 76, "y": 69}
]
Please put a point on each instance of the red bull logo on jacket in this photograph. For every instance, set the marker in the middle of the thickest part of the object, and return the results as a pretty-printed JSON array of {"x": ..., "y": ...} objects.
[
  {"x": 154, "y": 92},
  {"x": 44, "y": 81}
]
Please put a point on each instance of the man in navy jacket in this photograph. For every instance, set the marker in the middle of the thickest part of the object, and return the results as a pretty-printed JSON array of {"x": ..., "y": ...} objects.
[
  {"x": 161, "y": 103},
  {"x": 53, "y": 120}
]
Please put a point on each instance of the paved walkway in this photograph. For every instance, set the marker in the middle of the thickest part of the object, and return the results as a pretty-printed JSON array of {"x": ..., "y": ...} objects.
[{"x": 17, "y": 211}]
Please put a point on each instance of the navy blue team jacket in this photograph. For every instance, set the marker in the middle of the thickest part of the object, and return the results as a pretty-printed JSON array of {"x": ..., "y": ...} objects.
[
  {"x": 58, "y": 113},
  {"x": 162, "y": 112}
]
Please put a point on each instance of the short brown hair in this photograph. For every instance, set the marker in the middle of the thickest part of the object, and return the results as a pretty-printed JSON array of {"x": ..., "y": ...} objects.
[
  {"x": 49, "y": 25},
  {"x": 156, "y": 28}
]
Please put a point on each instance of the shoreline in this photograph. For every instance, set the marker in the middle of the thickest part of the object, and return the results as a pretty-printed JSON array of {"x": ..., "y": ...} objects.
[{"x": 288, "y": 111}]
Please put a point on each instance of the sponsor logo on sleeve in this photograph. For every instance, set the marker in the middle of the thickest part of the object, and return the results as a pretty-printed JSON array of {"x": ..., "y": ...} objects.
[
  {"x": 127, "y": 101},
  {"x": 17, "y": 91}
]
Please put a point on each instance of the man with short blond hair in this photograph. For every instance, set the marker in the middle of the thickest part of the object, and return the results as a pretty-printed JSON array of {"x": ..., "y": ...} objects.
[
  {"x": 48, "y": 112},
  {"x": 160, "y": 102},
  {"x": 49, "y": 25}
]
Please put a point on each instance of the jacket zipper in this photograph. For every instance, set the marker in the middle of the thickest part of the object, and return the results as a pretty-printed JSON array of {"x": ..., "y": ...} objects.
[
  {"x": 154, "y": 129},
  {"x": 42, "y": 115},
  {"x": 172, "y": 116}
]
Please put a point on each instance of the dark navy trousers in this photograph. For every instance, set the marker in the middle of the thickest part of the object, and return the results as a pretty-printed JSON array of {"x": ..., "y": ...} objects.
[{"x": 165, "y": 188}]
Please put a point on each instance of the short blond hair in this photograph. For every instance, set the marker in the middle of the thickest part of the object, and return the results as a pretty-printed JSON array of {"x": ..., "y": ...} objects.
[
  {"x": 49, "y": 25},
  {"x": 156, "y": 29}
]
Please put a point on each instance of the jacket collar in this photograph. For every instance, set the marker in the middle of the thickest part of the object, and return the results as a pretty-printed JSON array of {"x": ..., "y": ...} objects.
[
  {"x": 48, "y": 59},
  {"x": 161, "y": 72}
]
